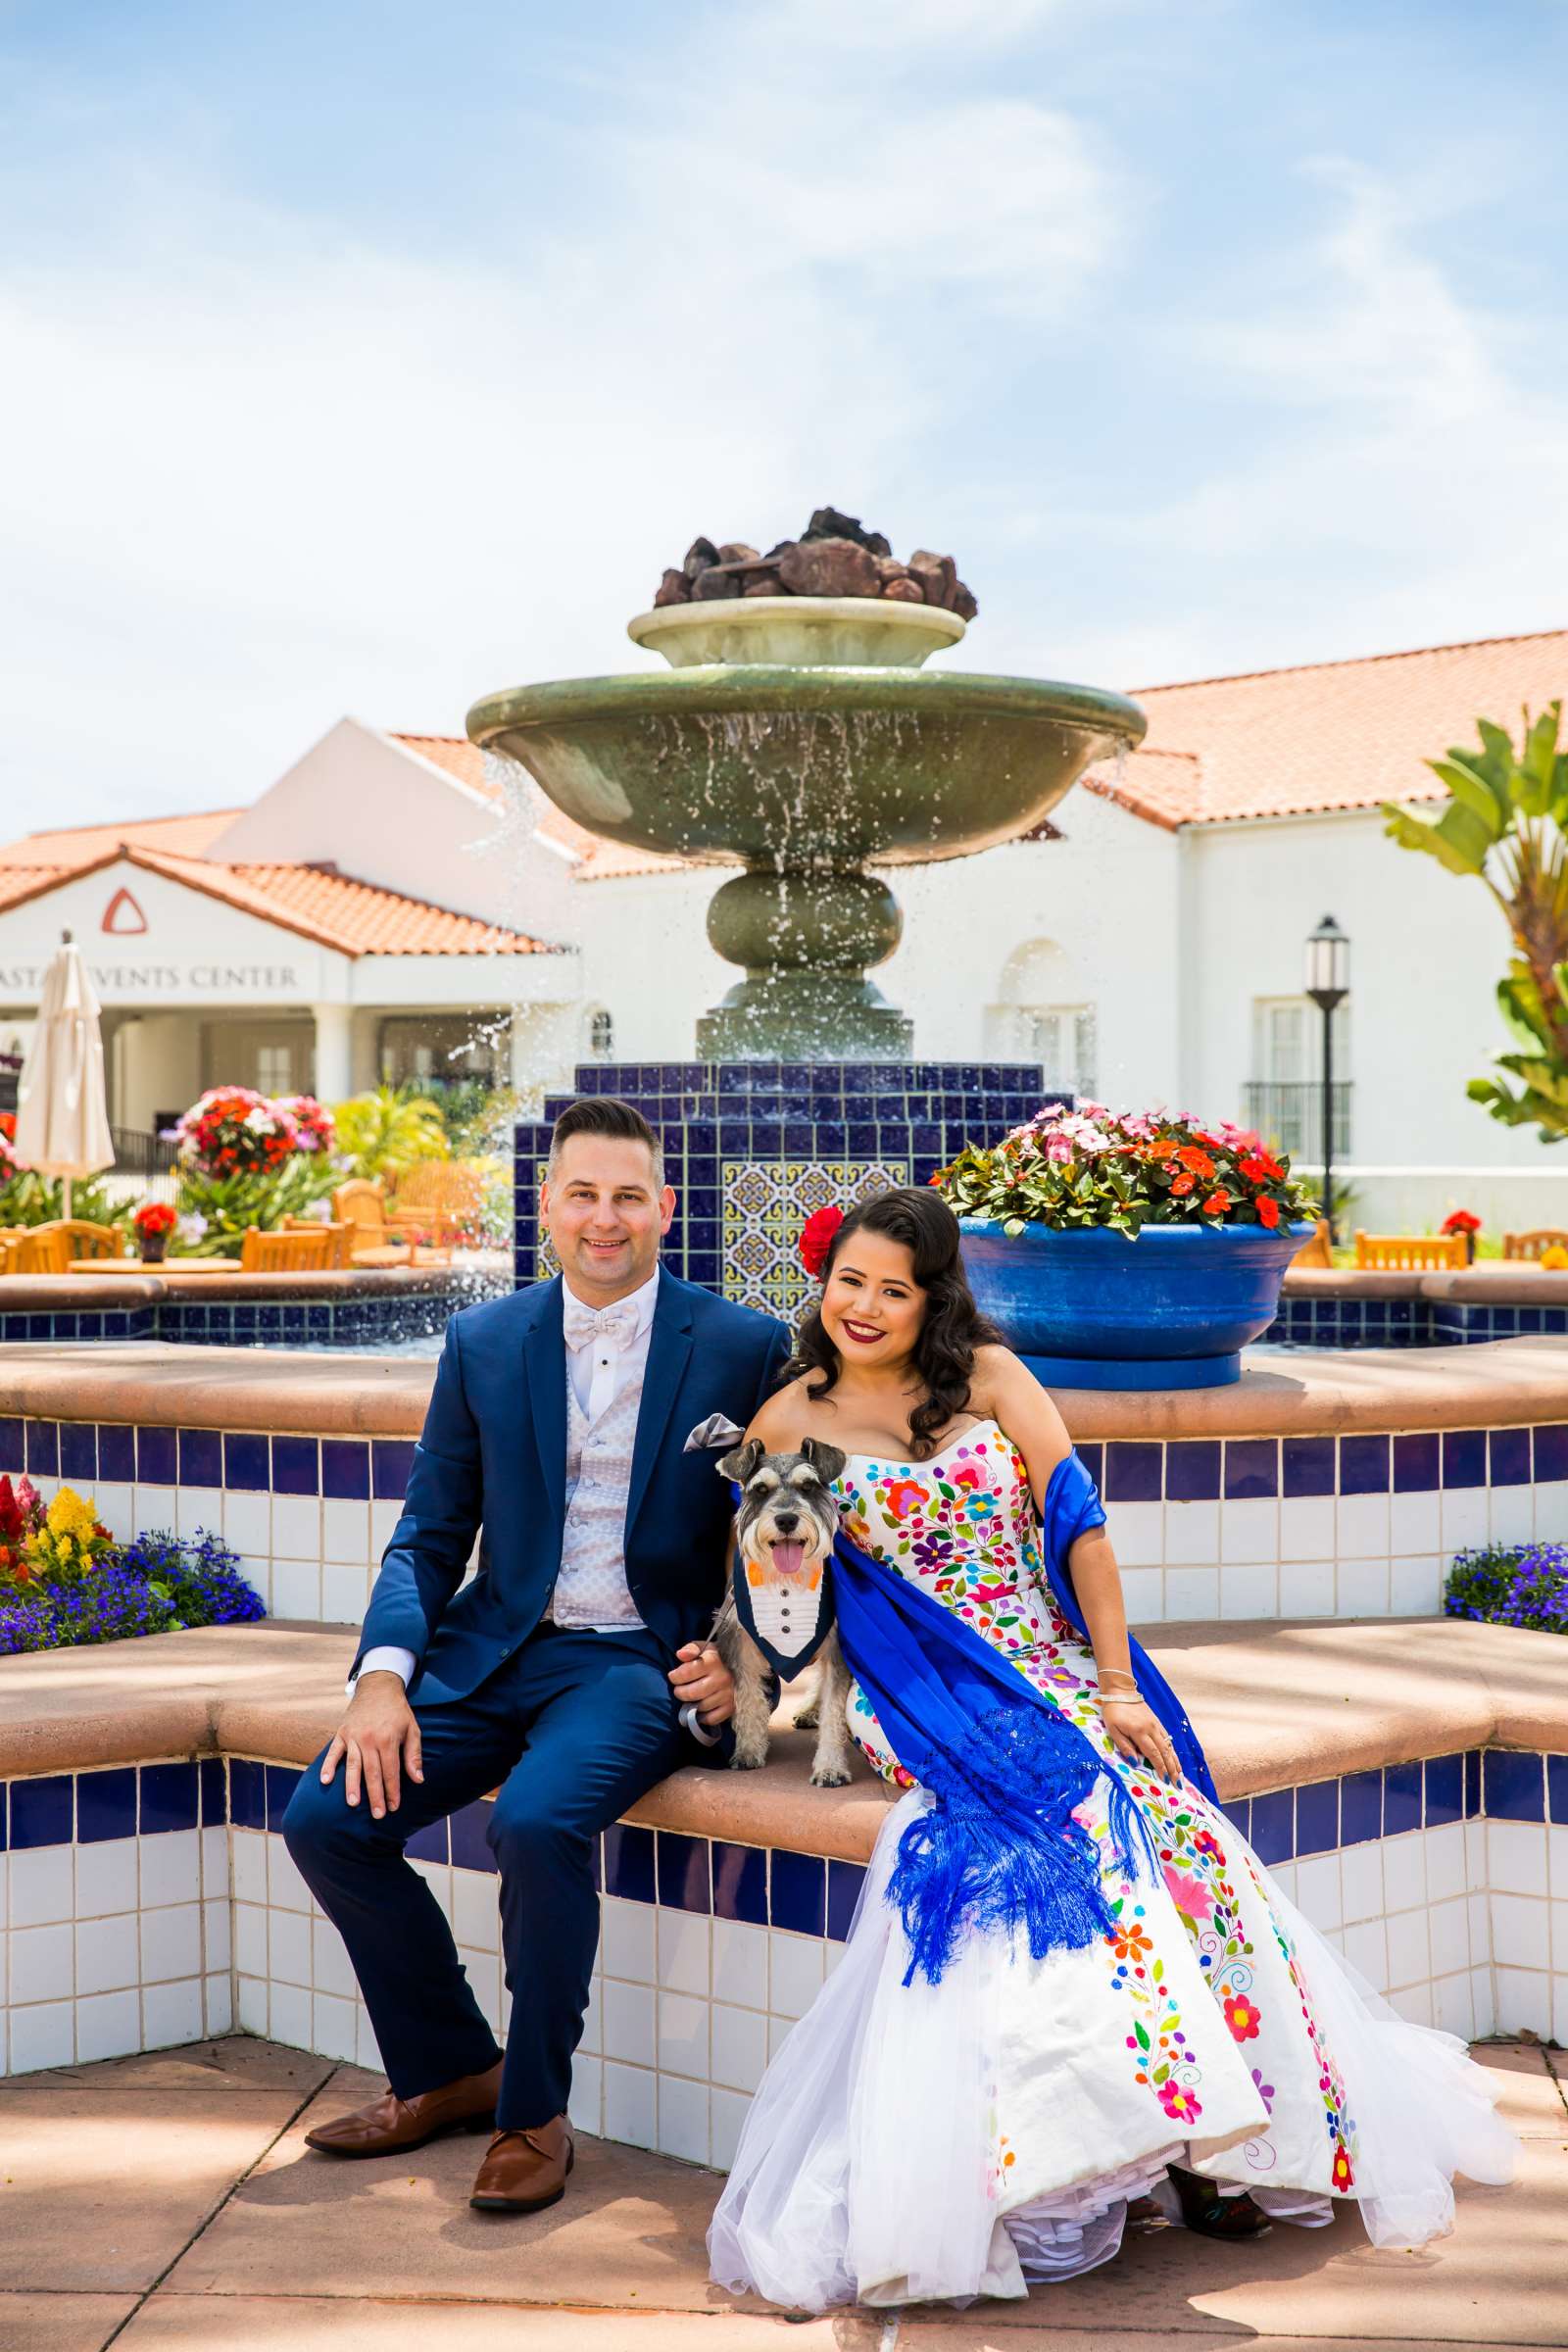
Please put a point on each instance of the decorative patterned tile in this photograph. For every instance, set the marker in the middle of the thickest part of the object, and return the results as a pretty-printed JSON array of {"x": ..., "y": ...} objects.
[{"x": 765, "y": 1204}]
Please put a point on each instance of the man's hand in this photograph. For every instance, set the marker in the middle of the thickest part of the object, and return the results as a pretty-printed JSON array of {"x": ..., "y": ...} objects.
[
  {"x": 703, "y": 1681},
  {"x": 377, "y": 1742}
]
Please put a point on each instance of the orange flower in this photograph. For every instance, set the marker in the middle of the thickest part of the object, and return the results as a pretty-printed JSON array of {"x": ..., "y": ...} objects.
[
  {"x": 1128, "y": 1941},
  {"x": 1183, "y": 1186},
  {"x": 1268, "y": 1212},
  {"x": 1199, "y": 1161},
  {"x": 1217, "y": 1204}
]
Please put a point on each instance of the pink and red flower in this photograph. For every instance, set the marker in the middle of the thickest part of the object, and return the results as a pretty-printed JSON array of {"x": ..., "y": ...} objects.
[{"x": 1179, "y": 2103}]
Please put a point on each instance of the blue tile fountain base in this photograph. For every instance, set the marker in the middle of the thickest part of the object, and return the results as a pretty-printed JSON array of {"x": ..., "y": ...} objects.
[{"x": 753, "y": 1148}]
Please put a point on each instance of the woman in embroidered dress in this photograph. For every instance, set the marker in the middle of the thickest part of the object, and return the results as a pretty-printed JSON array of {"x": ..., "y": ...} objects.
[{"x": 1044, "y": 2021}]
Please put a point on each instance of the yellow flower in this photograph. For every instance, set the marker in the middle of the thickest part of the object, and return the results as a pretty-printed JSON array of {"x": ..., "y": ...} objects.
[{"x": 70, "y": 1516}]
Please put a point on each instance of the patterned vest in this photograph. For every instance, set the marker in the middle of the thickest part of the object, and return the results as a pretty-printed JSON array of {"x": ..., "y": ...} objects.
[{"x": 591, "y": 1588}]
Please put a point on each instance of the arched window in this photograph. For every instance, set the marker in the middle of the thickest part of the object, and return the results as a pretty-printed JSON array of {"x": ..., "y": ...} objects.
[{"x": 1039, "y": 1016}]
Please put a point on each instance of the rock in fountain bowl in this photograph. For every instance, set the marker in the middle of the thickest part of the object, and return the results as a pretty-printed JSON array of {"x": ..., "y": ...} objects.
[{"x": 774, "y": 748}]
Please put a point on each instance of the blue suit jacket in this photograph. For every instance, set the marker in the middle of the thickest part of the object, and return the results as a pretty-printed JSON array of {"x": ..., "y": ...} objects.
[{"x": 493, "y": 1457}]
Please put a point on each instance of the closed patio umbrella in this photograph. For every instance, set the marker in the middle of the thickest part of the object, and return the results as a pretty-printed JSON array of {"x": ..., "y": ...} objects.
[{"x": 62, "y": 1110}]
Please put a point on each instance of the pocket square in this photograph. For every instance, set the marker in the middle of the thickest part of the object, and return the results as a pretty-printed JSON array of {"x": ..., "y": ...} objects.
[{"x": 712, "y": 1436}]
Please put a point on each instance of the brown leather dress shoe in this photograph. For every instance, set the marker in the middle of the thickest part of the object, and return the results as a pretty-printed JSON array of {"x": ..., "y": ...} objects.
[
  {"x": 390, "y": 2126},
  {"x": 525, "y": 2170}
]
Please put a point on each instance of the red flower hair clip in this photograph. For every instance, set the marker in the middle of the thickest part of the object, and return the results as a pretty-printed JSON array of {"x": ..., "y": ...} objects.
[{"x": 816, "y": 1238}]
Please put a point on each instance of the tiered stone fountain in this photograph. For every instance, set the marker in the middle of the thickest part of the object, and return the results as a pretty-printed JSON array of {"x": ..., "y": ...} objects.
[{"x": 800, "y": 734}]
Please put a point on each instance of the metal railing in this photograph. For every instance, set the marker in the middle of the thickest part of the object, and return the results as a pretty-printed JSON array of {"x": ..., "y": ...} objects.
[
  {"x": 1289, "y": 1114},
  {"x": 139, "y": 1151}
]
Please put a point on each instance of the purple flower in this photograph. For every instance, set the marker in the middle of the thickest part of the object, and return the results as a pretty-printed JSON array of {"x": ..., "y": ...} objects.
[{"x": 1511, "y": 1584}]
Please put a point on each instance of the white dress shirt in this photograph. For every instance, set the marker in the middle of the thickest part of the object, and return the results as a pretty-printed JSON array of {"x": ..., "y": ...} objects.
[{"x": 605, "y": 1349}]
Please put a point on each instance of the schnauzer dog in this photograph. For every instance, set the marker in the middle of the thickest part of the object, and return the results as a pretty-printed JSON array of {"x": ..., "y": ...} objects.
[{"x": 785, "y": 1529}]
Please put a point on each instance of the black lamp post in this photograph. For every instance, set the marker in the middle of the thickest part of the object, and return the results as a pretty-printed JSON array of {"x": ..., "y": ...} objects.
[{"x": 1328, "y": 982}]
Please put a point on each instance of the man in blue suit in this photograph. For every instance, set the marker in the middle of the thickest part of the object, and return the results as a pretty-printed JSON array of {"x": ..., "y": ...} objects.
[{"x": 571, "y": 1673}]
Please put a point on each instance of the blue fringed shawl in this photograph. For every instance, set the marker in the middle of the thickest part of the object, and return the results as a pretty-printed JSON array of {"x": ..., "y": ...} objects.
[{"x": 1000, "y": 1847}]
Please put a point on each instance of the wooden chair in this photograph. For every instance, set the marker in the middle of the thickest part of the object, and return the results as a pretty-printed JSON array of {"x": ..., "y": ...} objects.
[
  {"x": 1317, "y": 1251},
  {"x": 361, "y": 1205},
  {"x": 342, "y": 1236},
  {"x": 441, "y": 1201},
  {"x": 1410, "y": 1253},
  {"x": 44, "y": 1250},
  {"x": 88, "y": 1240},
  {"x": 1534, "y": 1244},
  {"x": 287, "y": 1252},
  {"x": 10, "y": 1242}
]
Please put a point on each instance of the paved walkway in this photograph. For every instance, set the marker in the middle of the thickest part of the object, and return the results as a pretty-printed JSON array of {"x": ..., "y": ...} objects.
[{"x": 166, "y": 2204}]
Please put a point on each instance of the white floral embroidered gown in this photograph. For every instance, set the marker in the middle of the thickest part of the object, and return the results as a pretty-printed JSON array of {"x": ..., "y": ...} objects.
[{"x": 941, "y": 2141}]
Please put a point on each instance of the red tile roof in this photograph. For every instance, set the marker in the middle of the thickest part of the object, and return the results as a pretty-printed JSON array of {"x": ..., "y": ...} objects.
[
  {"x": 356, "y": 918},
  {"x": 75, "y": 846},
  {"x": 458, "y": 756},
  {"x": 1330, "y": 735}
]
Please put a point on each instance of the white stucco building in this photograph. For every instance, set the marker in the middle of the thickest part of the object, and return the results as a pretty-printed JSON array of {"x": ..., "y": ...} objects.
[{"x": 384, "y": 910}]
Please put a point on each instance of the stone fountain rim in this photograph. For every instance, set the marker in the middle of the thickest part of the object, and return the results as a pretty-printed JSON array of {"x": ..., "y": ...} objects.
[
  {"x": 726, "y": 688},
  {"x": 824, "y": 612}
]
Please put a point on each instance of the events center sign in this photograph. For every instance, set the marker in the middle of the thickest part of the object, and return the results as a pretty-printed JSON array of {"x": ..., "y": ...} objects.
[
  {"x": 158, "y": 943},
  {"x": 176, "y": 981}
]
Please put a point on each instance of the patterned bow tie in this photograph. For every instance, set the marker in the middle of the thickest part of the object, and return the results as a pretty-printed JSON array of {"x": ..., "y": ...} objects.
[{"x": 612, "y": 1327}]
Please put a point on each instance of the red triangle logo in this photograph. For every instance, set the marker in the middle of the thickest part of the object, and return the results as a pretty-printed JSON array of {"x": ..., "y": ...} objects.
[{"x": 122, "y": 917}]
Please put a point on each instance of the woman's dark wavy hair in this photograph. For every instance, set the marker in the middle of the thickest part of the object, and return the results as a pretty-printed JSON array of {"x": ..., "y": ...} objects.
[{"x": 953, "y": 1326}]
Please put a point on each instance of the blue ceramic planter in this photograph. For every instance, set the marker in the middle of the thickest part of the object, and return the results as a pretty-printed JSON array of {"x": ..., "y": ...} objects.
[{"x": 1092, "y": 1310}]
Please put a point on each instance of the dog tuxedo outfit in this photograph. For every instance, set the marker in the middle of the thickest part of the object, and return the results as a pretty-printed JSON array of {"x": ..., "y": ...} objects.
[{"x": 555, "y": 1433}]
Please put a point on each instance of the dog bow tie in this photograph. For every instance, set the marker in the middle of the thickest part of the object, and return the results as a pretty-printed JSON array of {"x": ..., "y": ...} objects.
[{"x": 610, "y": 1326}]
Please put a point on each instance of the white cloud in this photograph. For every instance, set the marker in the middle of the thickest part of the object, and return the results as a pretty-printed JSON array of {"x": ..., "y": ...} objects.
[
  {"x": 272, "y": 473},
  {"x": 1406, "y": 479}
]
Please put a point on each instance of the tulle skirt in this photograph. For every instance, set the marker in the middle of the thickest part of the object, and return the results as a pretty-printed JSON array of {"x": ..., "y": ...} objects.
[{"x": 930, "y": 2142}]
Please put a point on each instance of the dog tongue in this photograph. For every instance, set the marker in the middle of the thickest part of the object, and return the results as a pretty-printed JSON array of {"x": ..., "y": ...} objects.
[{"x": 787, "y": 1558}]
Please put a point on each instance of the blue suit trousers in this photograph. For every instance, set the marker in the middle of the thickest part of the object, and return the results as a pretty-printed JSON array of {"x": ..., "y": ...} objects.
[{"x": 573, "y": 1730}]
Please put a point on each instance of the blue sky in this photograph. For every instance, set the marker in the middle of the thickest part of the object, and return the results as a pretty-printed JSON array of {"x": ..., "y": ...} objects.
[{"x": 370, "y": 357}]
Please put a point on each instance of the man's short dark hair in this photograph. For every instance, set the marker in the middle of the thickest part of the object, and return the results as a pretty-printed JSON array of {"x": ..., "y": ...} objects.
[{"x": 605, "y": 1115}]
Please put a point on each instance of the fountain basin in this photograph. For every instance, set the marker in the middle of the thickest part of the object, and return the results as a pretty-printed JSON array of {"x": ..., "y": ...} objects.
[
  {"x": 803, "y": 774},
  {"x": 806, "y": 631},
  {"x": 805, "y": 767}
]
